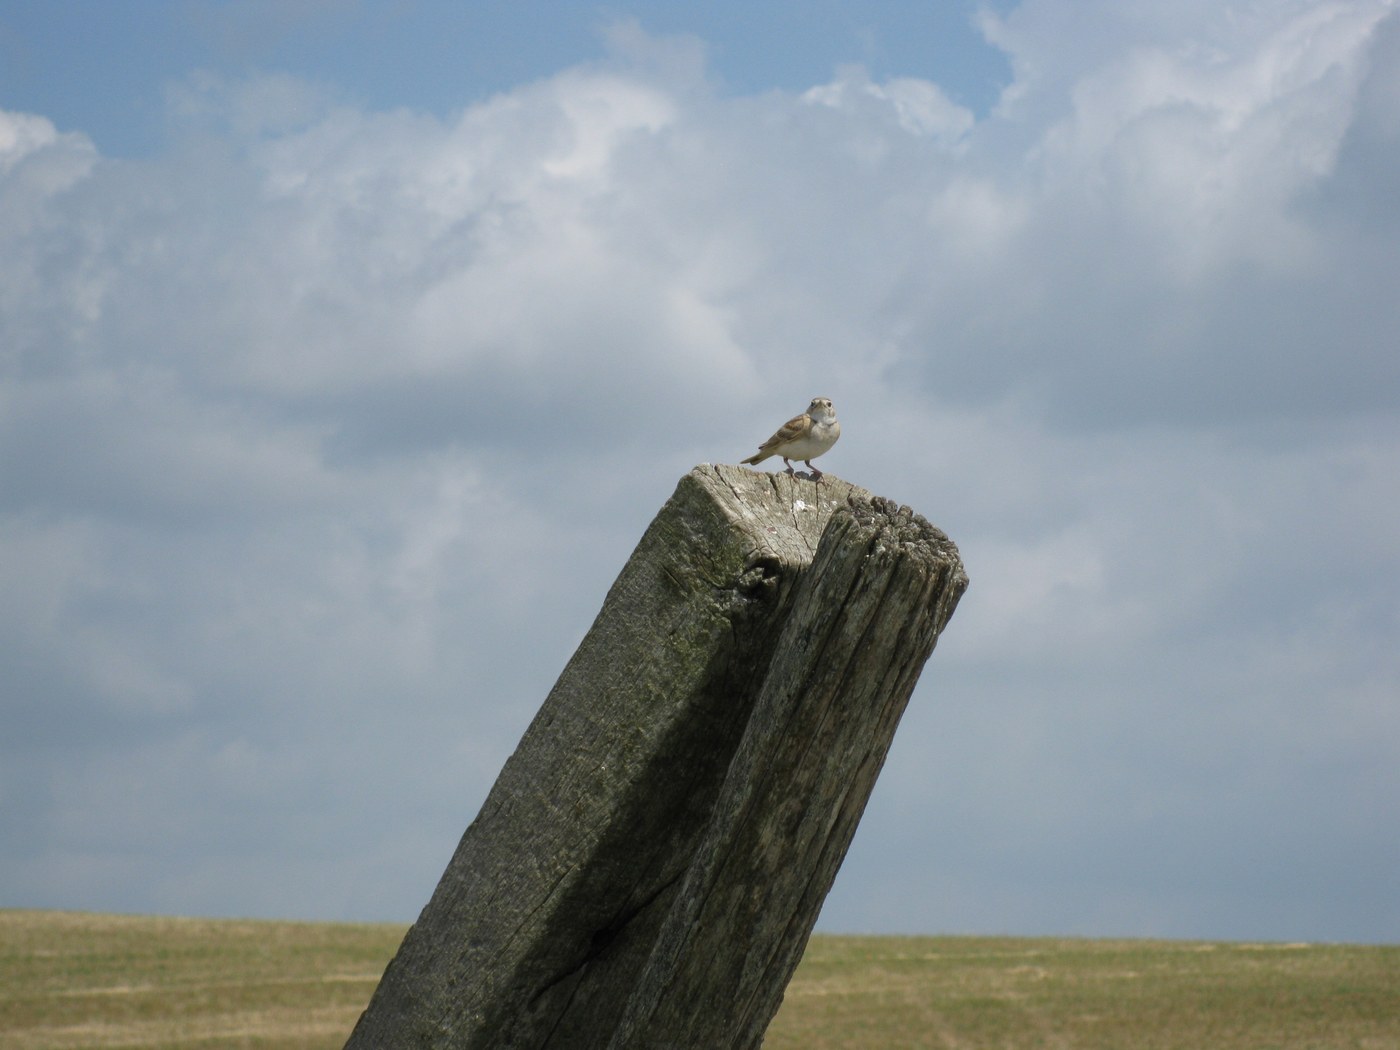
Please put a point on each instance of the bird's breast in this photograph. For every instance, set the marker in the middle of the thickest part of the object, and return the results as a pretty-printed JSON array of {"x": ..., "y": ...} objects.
[{"x": 816, "y": 441}]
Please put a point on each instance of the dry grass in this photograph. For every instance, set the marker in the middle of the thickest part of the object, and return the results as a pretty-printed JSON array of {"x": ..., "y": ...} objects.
[
  {"x": 862, "y": 992},
  {"x": 76, "y": 980}
]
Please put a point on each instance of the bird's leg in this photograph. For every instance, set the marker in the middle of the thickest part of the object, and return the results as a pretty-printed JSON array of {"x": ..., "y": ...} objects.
[
  {"x": 789, "y": 465},
  {"x": 816, "y": 474}
]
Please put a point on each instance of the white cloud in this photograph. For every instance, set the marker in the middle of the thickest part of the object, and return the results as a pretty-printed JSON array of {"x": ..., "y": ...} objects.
[
  {"x": 918, "y": 106},
  {"x": 1207, "y": 147},
  {"x": 23, "y": 135},
  {"x": 322, "y": 435}
]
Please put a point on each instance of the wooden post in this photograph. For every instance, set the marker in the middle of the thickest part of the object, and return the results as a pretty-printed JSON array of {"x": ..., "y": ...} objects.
[{"x": 649, "y": 865}]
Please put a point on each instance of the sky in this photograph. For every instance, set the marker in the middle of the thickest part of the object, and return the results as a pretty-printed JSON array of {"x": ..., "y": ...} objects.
[{"x": 347, "y": 349}]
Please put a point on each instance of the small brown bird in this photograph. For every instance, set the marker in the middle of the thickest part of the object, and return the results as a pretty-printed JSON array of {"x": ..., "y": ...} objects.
[{"x": 803, "y": 437}]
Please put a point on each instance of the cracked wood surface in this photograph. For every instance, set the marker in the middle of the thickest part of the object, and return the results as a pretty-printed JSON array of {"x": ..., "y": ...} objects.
[{"x": 649, "y": 864}]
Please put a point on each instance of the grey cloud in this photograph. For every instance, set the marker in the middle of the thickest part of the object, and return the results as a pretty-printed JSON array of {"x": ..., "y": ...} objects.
[{"x": 321, "y": 440}]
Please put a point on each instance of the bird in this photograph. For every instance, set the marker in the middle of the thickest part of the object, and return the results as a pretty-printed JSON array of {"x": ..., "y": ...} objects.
[{"x": 803, "y": 437}]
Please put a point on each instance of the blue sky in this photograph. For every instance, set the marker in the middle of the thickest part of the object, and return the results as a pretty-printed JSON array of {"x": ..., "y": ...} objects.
[
  {"x": 104, "y": 68},
  {"x": 346, "y": 350}
]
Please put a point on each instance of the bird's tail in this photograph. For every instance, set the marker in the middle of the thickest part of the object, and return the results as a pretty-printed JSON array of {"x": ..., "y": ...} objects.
[{"x": 757, "y": 457}]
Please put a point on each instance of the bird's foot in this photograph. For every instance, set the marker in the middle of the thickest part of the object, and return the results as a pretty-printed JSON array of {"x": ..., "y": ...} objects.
[{"x": 816, "y": 474}]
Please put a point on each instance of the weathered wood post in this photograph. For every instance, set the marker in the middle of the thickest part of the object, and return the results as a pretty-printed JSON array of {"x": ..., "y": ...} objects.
[{"x": 649, "y": 865}]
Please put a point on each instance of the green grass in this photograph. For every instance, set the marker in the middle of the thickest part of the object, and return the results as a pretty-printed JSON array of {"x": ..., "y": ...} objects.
[{"x": 77, "y": 980}]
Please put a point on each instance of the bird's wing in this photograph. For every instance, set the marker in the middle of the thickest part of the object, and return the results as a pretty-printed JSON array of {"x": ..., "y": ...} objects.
[{"x": 794, "y": 428}]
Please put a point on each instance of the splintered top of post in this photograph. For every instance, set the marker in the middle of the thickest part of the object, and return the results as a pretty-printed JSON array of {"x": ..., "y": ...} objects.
[{"x": 783, "y": 515}]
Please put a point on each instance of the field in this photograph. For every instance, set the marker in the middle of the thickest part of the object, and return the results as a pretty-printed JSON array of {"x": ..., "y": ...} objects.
[{"x": 74, "y": 980}]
